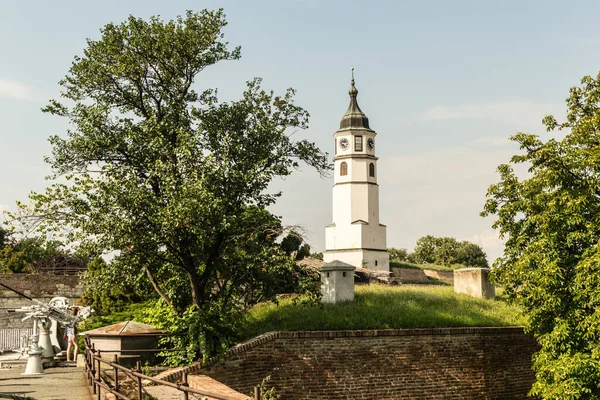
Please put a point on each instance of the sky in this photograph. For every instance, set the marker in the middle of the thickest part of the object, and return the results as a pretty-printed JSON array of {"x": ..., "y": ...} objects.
[{"x": 444, "y": 84}]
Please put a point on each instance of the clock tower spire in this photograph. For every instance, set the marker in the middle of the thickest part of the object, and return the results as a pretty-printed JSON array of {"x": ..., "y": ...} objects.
[{"x": 356, "y": 236}]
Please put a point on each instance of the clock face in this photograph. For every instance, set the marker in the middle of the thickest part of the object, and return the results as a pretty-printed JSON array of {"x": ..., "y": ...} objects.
[
  {"x": 370, "y": 143},
  {"x": 343, "y": 143}
]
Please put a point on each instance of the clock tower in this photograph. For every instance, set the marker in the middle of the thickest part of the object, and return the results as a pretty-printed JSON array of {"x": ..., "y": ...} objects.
[{"x": 356, "y": 237}]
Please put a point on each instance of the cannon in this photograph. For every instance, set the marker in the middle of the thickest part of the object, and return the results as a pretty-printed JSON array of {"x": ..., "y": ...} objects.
[{"x": 49, "y": 322}]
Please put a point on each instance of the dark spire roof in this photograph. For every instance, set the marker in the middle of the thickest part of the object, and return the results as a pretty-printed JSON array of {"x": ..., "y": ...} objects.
[{"x": 354, "y": 117}]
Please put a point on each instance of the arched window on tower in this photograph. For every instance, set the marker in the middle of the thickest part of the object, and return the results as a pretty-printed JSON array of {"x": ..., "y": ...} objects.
[
  {"x": 343, "y": 168},
  {"x": 372, "y": 170}
]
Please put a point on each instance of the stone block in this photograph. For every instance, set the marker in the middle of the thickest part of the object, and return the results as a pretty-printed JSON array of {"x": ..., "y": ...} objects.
[
  {"x": 80, "y": 360},
  {"x": 475, "y": 282}
]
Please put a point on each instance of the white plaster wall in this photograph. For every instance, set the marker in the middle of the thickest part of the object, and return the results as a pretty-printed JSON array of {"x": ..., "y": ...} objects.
[
  {"x": 359, "y": 168},
  {"x": 373, "y": 204},
  {"x": 349, "y": 237},
  {"x": 382, "y": 258},
  {"x": 374, "y": 237},
  {"x": 330, "y": 237},
  {"x": 360, "y": 258},
  {"x": 350, "y": 257},
  {"x": 360, "y": 202},
  {"x": 341, "y": 204}
]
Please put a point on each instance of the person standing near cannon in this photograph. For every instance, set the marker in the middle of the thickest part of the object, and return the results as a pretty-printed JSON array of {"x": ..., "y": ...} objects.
[{"x": 71, "y": 334}]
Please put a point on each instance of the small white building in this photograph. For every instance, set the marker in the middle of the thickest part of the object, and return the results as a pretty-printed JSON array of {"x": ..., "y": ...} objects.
[
  {"x": 337, "y": 282},
  {"x": 356, "y": 237},
  {"x": 130, "y": 341}
]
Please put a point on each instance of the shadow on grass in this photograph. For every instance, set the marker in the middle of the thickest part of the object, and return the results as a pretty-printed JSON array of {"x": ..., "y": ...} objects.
[{"x": 384, "y": 307}]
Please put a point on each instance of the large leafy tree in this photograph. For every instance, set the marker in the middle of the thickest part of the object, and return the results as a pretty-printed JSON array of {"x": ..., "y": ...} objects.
[
  {"x": 550, "y": 219},
  {"x": 448, "y": 251},
  {"x": 170, "y": 179},
  {"x": 30, "y": 254}
]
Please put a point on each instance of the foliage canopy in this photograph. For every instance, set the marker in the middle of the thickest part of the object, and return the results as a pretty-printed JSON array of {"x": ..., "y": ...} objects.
[
  {"x": 170, "y": 180},
  {"x": 31, "y": 254},
  {"x": 551, "y": 263},
  {"x": 446, "y": 251}
]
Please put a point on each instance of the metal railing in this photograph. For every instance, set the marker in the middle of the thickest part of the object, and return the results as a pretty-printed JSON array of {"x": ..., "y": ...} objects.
[
  {"x": 93, "y": 367},
  {"x": 14, "y": 339}
]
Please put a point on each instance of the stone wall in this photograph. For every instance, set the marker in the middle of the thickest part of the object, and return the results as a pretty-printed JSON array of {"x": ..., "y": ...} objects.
[
  {"x": 449, "y": 363},
  {"x": 422, "y": 275},
  {"x": 40, "y": 287},
  {"x": 446, "y": 276}
]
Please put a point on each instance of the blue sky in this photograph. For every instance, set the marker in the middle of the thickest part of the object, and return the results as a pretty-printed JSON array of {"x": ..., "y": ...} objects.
[{"x": 444, "y": 83}]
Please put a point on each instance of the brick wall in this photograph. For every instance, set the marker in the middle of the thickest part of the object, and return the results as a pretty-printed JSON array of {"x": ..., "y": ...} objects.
[
  {"x": 40, "y": 287},
  {"x": 449, "y": 363}
]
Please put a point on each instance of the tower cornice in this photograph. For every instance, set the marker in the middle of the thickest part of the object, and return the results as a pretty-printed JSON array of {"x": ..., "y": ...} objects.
[{"x": 354, "y": 155}]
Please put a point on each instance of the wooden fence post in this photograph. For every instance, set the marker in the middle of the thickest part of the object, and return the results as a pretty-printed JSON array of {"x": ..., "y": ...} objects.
[
  {"x": 116, "y": 361},
  {"x": 185, "y": 383},
  {"x": 138, "y": 366},
  {"x": 93, "y": 365},
  {"x": 256, "y": 393},
  {"x": 99, "y": 376}
]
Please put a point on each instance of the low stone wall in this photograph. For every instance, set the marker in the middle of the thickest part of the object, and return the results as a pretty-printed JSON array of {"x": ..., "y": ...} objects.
[
  {"x": 445, "y": 276},
  {"x": 40, "y": 287},
  {"x": 422, "y": 275},
  {"x": 449, "y": 363}
]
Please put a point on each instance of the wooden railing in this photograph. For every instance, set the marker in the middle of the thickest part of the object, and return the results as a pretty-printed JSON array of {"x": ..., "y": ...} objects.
[{"x": 93, "y": 368}]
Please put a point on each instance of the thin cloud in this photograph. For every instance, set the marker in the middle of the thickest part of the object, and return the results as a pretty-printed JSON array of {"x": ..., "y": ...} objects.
[
  {"x": 514, "y": 111},
  {"x": 15, "y": 90}
]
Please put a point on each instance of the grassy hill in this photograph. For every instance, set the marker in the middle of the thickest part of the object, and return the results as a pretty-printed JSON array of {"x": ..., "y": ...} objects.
[{"x": 381, "y": 307}]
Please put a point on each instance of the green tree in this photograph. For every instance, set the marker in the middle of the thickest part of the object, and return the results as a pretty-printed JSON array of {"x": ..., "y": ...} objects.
[
  {"x": 4, "y": 235},
  {"x": 470, "y": 254},
  {"x": 108, "y": 296},
  {"x": 448, "y": 251},
  {"x": 551, "y": 262},
  {"x": 293, "y": 246},
  {"x": 19, "y": 256},
  {"x": 398, "y": 254},
  {"x": 425, "y": 250},
  {"x": 171, "y": 180}
]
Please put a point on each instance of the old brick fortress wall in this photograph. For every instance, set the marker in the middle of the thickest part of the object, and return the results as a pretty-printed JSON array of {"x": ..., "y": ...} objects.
[
  {"x": 40, "y": 287},
  {"x": 449, "y": 363}
]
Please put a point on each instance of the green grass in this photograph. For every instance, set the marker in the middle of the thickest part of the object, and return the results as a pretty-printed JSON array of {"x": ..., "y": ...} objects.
[
  {"x": 429, "y": 281},
  {"x": 433, "y": 267},
  {"x": 382, "y": 307}
]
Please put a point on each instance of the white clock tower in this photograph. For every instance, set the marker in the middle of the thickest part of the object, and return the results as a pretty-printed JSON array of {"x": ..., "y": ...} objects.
[{"x": 356, "y": 237}]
